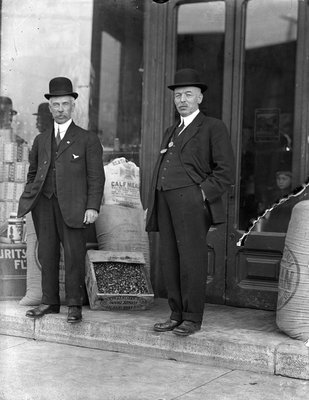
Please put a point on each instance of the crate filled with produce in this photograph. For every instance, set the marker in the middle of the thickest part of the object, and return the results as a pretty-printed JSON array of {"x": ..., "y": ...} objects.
[{"x": 117, "y": 280}]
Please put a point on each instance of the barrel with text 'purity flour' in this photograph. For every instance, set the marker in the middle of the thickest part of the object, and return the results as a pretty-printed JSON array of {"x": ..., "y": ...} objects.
[
  {"x": 13, "y": 270},
  {"x": 293, "y": 290}
]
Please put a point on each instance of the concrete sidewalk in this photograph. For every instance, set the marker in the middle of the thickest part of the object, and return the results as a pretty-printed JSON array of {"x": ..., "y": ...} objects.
[
  {"x": 231, "y": 338},
  {"x": 36, "y": 370}
]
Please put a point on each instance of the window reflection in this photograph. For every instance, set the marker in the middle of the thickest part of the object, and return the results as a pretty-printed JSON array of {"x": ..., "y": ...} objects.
[
  {"x": 117, "y": 67},
  {"x": 200, "y": 45},
  {"x": 109, "y": 89},
  {"x": 268, "y": 112},
  {"x": 97, "y": 44}
]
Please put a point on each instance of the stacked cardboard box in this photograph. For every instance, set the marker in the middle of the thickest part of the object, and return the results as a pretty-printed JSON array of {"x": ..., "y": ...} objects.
[{"x": 13, "y": 173}]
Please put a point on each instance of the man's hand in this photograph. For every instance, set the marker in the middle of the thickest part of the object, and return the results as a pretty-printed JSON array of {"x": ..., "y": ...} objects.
[{"x": 90, "y": 216}]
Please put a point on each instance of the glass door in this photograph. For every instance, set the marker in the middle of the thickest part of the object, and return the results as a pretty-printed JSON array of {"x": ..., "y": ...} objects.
[{"x": 267, "y": 149}]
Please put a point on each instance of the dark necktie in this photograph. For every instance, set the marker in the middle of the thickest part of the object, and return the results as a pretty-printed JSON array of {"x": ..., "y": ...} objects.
[
  {"x": 175, "y": 134},
  {"x": 58, "y": 137},
  {"x": 179, "y": 129}
]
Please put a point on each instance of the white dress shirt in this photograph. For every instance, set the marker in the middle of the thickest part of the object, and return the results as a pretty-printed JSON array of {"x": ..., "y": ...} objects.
[
  {"x": 62, "y": 128},
  {"x": 187, "y": 120}
]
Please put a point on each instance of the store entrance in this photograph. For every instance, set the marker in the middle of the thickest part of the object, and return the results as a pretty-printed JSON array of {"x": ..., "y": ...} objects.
[{"x": 266, "y": 127}]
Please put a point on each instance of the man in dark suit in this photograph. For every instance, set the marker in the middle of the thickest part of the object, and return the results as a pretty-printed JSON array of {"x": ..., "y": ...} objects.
[
  {"x": 63, "y": 191},
  {"x": 195, "y": 167}
]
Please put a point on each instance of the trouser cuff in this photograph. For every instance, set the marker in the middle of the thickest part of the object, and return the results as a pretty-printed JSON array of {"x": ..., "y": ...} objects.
[
  {"x": 194, "y": 317},
  {"x": 176, "y": 316}
]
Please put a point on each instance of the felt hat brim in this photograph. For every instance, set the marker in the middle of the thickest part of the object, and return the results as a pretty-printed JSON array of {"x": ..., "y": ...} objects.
[
  {"x": 202, "y": 86},
  {"x": 60, "y": 94}
]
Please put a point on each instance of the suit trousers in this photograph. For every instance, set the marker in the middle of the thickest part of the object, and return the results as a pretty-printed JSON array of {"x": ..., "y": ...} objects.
[
  {"x": 184, "y": 221},
  {"x": 51, "y": 231}
]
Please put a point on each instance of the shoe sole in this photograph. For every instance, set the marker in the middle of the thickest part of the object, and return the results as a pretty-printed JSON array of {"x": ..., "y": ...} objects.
[
  {"x": 158, "y": 329},
  {"x": 184, "y": 333},
  {"x": 40, "y": 316},
  {"x": 74, "y": 322},
  {"x": 163, "y": 330}
]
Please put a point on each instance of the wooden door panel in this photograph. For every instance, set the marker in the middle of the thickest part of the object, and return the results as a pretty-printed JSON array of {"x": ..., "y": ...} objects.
[{"x": 253, "y": 279}]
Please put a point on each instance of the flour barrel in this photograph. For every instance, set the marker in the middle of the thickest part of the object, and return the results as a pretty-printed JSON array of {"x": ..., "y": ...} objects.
[{"x": 13, "y": 271}]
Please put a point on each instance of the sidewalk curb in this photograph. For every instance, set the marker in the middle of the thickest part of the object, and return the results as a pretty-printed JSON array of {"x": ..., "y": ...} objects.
[{"x": 251, "y": 349}]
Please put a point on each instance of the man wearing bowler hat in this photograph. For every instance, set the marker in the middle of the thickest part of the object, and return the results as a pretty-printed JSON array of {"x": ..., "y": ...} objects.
[
  {"x": 194, "y": 168},
  {"x": 63, "y": 191}
]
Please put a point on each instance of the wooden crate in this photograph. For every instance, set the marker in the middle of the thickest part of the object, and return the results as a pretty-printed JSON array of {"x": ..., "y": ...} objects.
[{"x": 116, "y": 270}]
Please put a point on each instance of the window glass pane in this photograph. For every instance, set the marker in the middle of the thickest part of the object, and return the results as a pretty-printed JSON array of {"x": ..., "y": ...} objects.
[
  {"x": 268, "y": 112},
  {"x": 41, "y": 40},
  {"x": 117, "y": 72},
  {"x": 200, "y": 45},
  {"x": 99, "y": 46}
]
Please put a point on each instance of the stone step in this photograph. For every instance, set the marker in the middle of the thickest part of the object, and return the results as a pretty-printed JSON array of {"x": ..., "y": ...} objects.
[{"x": 234, "y": 338}]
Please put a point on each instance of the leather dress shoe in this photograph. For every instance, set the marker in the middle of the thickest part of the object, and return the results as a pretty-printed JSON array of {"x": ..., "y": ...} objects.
[
  {"x": 187, "y": 328},
  {"x": 74, "y": 314},
  {"x": 43, "y": 309},
  {"x": 166, "y": 326}
]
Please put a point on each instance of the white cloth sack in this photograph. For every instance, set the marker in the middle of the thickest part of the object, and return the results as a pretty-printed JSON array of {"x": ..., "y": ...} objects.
[{"x": 292, "y": 315}]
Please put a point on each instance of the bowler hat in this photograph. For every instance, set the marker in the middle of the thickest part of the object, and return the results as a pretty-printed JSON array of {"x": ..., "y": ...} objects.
[
  {"x": 187, "y": 77},
  {"x": 60, "y": 86},
  {"x": 6, "y": 105},
  {"x": 43, "y": 109}
]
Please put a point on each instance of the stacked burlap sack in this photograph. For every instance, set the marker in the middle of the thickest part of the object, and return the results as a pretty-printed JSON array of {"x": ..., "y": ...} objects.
[
  {"x": 293, "y": 290},
  {"x": 121, "y": 225}
]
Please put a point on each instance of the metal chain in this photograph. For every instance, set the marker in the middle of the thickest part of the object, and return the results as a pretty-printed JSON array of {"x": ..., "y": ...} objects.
[{"x": 296, "y": 193}]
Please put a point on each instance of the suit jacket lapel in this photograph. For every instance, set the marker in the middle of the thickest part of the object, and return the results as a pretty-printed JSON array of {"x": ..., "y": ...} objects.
[
  {"x": 67, "y": 140},
  {"x": 168, "y": 135},
  {"x": 48, "y": 141},
  {"x": 191, "y": 130}
]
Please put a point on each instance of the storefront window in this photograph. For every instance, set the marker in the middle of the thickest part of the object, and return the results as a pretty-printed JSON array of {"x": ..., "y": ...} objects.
[
  {"x": 117, "y": 76},
  {"x": 200, "y": 45},
  {"x": 99, "y": 46},
  {"x": 268, "y": 113}
]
